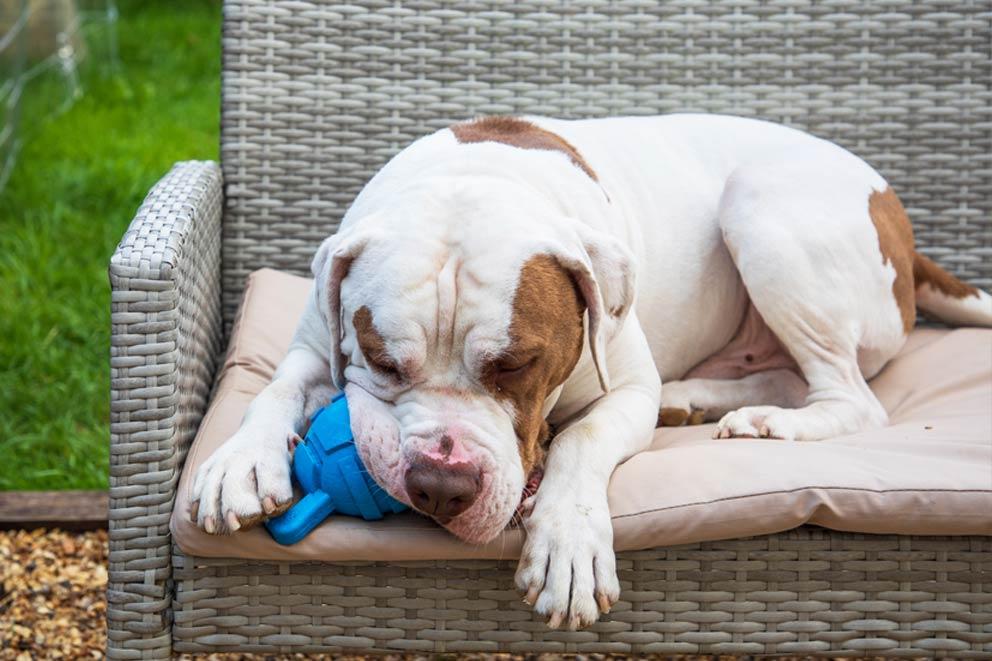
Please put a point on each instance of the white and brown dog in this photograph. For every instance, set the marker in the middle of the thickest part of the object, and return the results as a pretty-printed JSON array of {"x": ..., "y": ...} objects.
[{"x": 505, "y": 277}]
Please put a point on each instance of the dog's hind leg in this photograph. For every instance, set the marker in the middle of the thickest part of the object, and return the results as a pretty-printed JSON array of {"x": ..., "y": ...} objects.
[
  {"x": 802, "y": 236},
  {"x": 753, "y": 368},
  {"x": 694, "y": 401}
]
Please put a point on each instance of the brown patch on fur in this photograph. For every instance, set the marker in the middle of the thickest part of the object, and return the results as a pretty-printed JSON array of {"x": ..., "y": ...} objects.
[
  {"x": 895, "y": 240},
  {"x": 927, "y": 271},
  {"x": 519, "y": 133},
  {"x": 697, "y": 417},
  {"x": 545, "y": 344},
  {"x": 672, "y": 417},
  {"x": 371, "y": 343},
  {"x": 675, "y": 417}
]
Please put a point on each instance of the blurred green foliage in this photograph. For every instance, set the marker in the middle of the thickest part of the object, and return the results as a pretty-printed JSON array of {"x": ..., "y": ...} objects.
[{"x": 79, "y": 178}]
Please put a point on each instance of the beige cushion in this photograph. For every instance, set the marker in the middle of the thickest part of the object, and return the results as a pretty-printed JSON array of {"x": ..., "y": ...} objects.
[{"x": 930, "y": 472}]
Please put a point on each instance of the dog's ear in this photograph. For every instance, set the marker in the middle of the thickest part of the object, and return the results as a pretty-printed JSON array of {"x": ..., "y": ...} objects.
[
  {"x": 604, "y": 270},
  {"x": 330, "y": 266}
]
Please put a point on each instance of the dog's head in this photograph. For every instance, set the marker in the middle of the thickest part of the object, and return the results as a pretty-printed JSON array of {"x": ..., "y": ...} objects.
[{"x": 452, "y": 349}]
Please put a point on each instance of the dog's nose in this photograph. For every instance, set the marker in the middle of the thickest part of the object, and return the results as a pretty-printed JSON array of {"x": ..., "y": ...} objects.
[{"x": 442, "y": 490}]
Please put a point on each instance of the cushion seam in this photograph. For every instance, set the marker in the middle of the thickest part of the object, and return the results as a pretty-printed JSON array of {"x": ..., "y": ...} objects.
[{"x": 797, "y": 489}]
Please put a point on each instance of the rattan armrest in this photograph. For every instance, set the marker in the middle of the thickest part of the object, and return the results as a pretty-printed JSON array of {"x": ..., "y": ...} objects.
[{"x": 165, "y": 340}]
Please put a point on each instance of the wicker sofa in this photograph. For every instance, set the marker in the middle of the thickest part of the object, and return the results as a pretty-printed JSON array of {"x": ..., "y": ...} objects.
[{"x": 317, "y": 95}]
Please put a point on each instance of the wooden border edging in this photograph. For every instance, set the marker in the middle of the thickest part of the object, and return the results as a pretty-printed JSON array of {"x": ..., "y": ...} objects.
[{"x": 69, "y": 510}]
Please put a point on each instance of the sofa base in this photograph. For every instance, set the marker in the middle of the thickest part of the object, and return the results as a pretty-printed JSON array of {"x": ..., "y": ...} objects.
[{"x": 807, "y": 591}]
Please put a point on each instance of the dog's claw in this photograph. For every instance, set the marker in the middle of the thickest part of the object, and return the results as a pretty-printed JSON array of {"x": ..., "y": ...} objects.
[
  {"x": 531, "y": 596},
  {"x": 604, "y": 603},
  {"x": 194, "y": 510},
  {"x": 208, "y": 525},
  {"x": 268, "y": 505},
  {"x": 233, "y": 524},
  {"x": 292, "y": 441},
  {"x": 554, "y": 621}
]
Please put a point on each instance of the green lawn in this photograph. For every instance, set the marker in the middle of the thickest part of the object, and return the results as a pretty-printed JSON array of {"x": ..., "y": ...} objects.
[{"x": 78, "y": 180}]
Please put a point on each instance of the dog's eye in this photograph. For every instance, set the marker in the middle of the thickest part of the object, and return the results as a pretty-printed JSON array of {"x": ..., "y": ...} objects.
[
  {"x": 512, "y": 370},
  {"x": 385, "y": 367}
]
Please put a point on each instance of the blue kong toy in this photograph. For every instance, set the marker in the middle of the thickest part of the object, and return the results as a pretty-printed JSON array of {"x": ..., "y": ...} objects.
[{"x": 332, "y": 477}]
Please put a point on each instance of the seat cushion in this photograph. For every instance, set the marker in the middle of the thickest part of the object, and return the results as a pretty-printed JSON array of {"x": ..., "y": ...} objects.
[{"x": 928, "y": 473}]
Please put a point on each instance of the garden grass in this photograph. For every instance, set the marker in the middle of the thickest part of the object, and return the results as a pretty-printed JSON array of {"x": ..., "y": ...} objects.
[{"x": 79, "y": 177}]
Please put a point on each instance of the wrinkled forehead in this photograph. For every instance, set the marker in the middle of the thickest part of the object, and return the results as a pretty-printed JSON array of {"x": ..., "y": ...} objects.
[{"x": 437, "y": 296}]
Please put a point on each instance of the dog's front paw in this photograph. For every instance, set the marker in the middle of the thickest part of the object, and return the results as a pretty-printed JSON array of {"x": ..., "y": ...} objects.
[
  {"x": 568, "y": 571},
  {"x": 244, "y": 482}
]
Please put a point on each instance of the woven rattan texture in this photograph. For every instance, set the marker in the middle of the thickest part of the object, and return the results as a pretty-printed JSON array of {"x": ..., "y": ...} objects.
[
  {"x": 166, "y": 332},
  {"x": 807, "y": 591},
  {"x": 318, "y": 95}
]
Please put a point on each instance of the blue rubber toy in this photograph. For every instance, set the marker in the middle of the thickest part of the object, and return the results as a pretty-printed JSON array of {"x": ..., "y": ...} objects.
[{"x": 333, "y": 479}]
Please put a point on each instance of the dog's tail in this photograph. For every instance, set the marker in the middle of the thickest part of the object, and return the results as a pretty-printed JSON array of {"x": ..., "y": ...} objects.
[{"x": 942, "y": 296}]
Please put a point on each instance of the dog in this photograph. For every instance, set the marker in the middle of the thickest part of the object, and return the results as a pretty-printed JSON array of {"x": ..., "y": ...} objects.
[{"x": 505, "y": 298}]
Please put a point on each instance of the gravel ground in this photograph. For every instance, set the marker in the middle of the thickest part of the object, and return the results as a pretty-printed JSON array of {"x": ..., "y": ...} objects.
[
  {"x": 52, "y": 594},
  {"x": 53, "y": 602}
]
